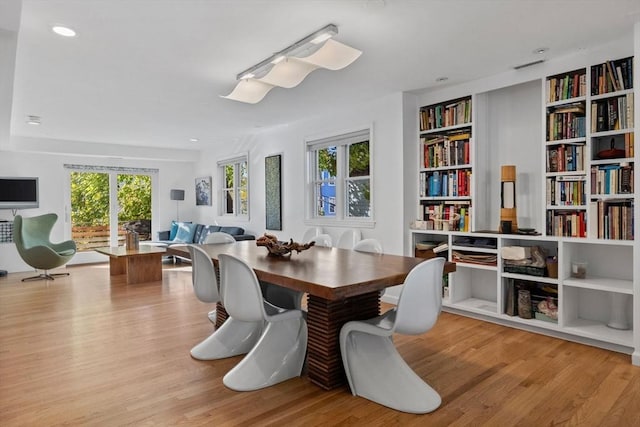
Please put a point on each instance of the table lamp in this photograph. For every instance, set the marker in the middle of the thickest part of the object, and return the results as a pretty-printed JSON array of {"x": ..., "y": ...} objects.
[{"x": 508, "y": 215}]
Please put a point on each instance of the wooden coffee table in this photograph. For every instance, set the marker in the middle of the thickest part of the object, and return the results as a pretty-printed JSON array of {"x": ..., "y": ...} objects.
[{"x": 140, "y": 265}]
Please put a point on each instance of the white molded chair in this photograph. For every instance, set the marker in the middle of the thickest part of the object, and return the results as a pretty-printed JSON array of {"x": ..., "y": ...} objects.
[
  {"x": 234, "y": 337},
  {"x": 375, "y": 370},
  {"x": 368, "y": 245},
  {"x": 280, "y": 352},
  {"x": 323, "y": 240},
  {"x": 348, "y": 239},
  {"x": 311, "y": 233},
  {"x": 219, "y": 237}
]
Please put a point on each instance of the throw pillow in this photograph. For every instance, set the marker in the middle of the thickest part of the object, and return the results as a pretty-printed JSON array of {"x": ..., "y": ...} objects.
[
  {"x": 174, "y": 228},
  {"x": 206, "y": 230},
  {"x": 185, "y": 232}
]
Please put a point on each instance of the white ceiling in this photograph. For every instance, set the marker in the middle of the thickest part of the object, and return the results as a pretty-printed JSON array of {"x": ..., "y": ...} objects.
[{"x": 150, "y": 73}]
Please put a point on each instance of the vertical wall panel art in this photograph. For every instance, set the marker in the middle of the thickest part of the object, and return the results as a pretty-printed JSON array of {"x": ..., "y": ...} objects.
[{"x": 273, "y": 191}]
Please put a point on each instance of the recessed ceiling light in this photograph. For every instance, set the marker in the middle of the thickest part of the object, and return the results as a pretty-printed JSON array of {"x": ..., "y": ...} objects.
[
  {"x": 442, "y": 79},
  {"x": 540, "y": 50},
  {"x": 193, "y": 140},
  {"x": 63, "y": 31},
  {"x": 33, "y": 120}
]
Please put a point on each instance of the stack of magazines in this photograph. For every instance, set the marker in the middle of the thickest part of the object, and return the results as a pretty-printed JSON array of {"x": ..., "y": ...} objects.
[{"x": 474, "y": 258}]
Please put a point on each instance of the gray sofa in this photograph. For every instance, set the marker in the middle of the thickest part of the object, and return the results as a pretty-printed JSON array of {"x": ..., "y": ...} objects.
[{"x": 186, "y": 232}]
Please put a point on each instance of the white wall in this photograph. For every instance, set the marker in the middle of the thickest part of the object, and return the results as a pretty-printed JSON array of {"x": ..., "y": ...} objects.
[
  {"x": 8, "y": 45},
  {"x": 383, "y": 115},
  {"x": 53, "y": 179},
  {"x": 514, "y": 132}
]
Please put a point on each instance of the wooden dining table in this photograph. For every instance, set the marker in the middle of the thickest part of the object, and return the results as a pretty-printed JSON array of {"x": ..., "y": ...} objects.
[{"x": 341, "y": 285}]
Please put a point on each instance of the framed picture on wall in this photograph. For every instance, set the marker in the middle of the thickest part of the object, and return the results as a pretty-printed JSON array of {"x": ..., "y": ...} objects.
[
  {"x": 203, "y": 191},
  {"x": 273, "y": 191}
]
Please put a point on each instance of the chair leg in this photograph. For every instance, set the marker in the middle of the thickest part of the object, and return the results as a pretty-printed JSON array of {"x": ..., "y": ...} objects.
[
  {"x": 377, "y": 372},
  {"x": 278, "y": 356},
  {"x": 234, "y": 337},
  {"x": 44, "y": 276}
]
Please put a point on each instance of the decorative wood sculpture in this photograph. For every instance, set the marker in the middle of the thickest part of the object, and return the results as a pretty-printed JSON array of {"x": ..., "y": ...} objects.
[
  {"x": 508, "y": 197},
  {"x": 277, "y": 248}
]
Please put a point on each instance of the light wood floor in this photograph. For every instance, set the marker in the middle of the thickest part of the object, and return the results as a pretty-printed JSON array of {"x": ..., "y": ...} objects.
[{"x": 90, "y": 350}]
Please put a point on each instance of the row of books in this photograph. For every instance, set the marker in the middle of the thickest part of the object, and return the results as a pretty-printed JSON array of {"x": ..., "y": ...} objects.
[
  {"x": 612, "y": 114},
  {"x": 612, "y": 76},
  {"x": 612, "y": 179},
  {"x": 439, "y": 116},
  {"x": 565, "y": 125},
  {"x": 566, "y": 223},
  {"x": 456, "y": 183},
  {"x": 611, "y": 220},
  {"x": 448, "y": 216},
  {"x": 441, "y": 151},
  {"x": 565, "y": 191},
  {"x": 565, "y": 158},
  {"x": 629, "y": 145},
  {"x": 570, "y": 85}
]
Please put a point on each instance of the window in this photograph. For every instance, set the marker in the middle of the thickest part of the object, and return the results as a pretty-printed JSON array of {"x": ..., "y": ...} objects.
[
  {"x": 234, "y": 179},
  {"x": 340, "y": 177}
]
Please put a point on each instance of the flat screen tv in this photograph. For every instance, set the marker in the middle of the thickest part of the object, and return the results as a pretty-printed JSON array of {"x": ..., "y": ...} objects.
[{"x": 18, "y": 192}]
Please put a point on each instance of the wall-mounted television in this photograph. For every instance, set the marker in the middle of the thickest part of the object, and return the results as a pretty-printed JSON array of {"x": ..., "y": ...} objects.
[{"x": 18, "y": 192}]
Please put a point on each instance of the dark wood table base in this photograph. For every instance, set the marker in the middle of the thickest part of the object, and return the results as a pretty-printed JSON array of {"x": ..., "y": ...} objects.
[
  {"x": 221, "y": 314},
  {"x": 324, "y": 320}
]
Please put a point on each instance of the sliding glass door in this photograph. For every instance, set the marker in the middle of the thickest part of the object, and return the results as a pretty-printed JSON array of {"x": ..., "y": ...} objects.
[{"x": 104, "y": 203}]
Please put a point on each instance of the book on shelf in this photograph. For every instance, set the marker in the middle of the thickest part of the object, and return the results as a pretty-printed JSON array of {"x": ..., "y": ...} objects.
[
  {"x": 453, "y": 183},
  {"x": 612, "y": 179},
  {"x": 447, "y": 114},
  {"x": 566, "y": 223},
  {"x": 612, "y": 76},
  {"x": 445, "y": 150},
  {"x": 612, "y": 114},
  {"x": 628, "y": 145},
  {"x": 613, "y": 219},
  {"x": 565, "y": 124},
  {"x": 566, "y": 86},
  {"x": 566, "y": 190},
  {"x": 441, "y": 248},
  {"x": 448, "y": 215}
]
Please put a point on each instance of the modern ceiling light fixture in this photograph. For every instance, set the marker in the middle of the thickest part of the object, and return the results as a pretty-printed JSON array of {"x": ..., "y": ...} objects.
[{"x": 289, "y": 67}]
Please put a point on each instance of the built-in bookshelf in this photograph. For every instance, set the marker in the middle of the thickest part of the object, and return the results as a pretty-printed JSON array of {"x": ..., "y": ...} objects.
[
  {"x": 565, "y": 152},
  {"x": 583, "y": 189},
  {"x": 612, "y": 166},
  {"x": 594, "y": 306},
  {"x": 445, "y": 169}
]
